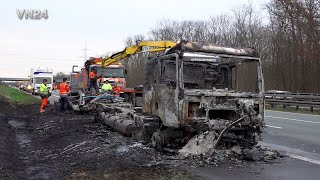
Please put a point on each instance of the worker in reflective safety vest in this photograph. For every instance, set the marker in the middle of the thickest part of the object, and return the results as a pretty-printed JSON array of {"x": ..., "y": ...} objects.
[
  {"x": 106, "y": 87},
  {"x": 64, "y": 89},
  {"x": 116, "y": 90},
  {"x": 44, "y": 94}
]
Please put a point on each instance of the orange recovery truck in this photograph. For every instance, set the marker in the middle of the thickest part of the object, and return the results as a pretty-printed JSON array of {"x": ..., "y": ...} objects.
[{"x": 114, "y": 73}]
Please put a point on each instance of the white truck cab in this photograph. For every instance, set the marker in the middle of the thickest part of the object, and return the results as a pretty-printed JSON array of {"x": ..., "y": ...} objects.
[{"x": 37, "y": 76}]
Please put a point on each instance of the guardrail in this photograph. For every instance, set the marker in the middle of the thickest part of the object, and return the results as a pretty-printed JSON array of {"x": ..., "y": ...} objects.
[{"x": 310, "y": 100}]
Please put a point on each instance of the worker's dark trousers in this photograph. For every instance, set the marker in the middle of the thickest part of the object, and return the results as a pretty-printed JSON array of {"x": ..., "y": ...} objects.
[
  {"x": 63, "y": 103},
  {"x": 93, "y": 88}
]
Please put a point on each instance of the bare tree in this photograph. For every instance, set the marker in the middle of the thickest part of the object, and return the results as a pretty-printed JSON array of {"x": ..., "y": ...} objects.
[
  {"x": 289, "y": 45},
  {"x": 296, "y": 24}
]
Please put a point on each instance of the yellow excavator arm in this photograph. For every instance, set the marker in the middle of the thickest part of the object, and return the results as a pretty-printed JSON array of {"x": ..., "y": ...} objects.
[{"x": 156, "y": 46}]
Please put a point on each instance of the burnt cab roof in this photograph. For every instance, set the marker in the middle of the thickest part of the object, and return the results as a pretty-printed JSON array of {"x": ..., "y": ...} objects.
[{"x": 213, "y": 49}]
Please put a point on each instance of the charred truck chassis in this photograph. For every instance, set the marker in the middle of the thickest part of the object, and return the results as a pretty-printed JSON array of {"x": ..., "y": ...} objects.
[{"x": 188, "y": 91}]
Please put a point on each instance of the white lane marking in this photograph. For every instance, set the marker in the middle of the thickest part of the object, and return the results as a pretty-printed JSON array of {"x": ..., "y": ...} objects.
[
  {"x": 290, "y": 119},
  {"x": 293, "y": 113},
  {"x": 295, "y": 156},
  {"x": 277, "y": 127},
  {"x": 294, "y": 153}
]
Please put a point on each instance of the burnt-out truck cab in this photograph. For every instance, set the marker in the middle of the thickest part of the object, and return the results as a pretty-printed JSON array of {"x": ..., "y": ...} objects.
[{"x": 196, "y": 87}]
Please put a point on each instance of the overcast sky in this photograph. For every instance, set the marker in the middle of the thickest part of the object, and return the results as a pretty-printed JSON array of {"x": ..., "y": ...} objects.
[{"x": 58, "y": 42}]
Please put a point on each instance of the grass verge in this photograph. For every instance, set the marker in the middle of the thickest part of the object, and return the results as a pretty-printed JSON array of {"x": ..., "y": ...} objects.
[
  {"x": 294, "y": 110},
  {"x": 17, "y": 96}
]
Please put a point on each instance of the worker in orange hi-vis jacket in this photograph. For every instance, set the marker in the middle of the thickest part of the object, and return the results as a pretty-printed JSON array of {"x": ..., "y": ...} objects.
[
  {"x": 116, "y": 90},
  {"x": 64, "y": 89},
  {"x": 93, "y": 86}
]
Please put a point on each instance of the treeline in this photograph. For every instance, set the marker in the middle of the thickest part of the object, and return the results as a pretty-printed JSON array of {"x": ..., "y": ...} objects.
[
  {"x": 289, "y": 44},
  {"x": 60, "y": 75}
]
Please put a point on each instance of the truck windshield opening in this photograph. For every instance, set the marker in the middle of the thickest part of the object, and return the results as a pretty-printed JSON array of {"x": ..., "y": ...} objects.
[
  {"x": 111, "y": 72},
  {"x": 39, "y": 80}
]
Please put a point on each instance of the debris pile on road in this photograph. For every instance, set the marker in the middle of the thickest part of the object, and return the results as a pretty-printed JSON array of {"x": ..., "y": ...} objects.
[
  {"x": 200, "y": 148},
  {"x": 236, "y": 156},
  {"x": 201, "y": 144}
]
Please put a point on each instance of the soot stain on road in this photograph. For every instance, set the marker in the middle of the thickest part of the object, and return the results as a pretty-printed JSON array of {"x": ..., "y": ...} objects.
[{"x": 73, "y": 146}]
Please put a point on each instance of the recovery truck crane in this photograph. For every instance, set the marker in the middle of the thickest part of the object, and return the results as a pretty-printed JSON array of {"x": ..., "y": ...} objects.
[{"x": 111, "y": 69}]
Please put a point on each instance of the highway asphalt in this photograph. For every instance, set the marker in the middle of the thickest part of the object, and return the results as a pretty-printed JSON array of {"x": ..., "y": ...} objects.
[
  {"x": 286, "y": 169},
  {"x": 297, "y": 133}
]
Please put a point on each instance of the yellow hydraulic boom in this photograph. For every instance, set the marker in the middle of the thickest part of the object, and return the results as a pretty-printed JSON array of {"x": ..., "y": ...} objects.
[{"x": 156, "y": 46}]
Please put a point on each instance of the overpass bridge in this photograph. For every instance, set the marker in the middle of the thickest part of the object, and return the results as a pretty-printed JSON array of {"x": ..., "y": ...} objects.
[{"x": 13, "y": 79}]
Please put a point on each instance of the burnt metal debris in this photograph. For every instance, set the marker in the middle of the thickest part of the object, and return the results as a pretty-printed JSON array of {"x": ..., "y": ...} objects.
[{"x": 194, "y": 97}]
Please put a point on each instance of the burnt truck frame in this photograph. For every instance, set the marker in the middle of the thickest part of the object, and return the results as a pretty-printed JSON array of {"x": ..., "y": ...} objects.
[{"x": 190, "y": 90}]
